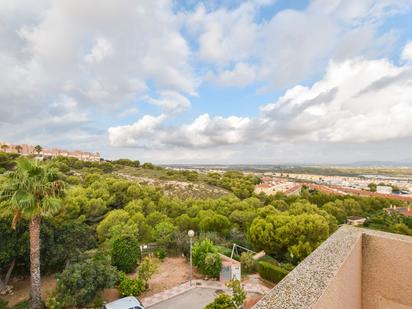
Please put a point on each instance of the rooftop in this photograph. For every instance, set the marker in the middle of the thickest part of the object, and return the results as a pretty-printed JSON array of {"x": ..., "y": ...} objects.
[{"x": 355, "y": 268}]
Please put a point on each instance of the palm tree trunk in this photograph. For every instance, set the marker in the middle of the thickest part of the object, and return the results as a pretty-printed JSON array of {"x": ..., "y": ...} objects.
[{"x": 35, "y": 292}]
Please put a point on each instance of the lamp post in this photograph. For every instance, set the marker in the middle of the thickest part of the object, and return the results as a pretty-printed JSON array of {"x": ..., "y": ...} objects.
[{"x": 191, "y": 233}]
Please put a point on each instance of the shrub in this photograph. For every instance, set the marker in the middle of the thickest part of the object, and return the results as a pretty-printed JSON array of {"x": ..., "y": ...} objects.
[
  {"x": 160, "y": 253},
  {"x": 238, "y": 293},
  {"x": 21, "y": 305},
  {"x": 212, "y": 265},
  {"x": 200, "y": 249},
  {"x": 3, "y": 303},
  {"x": 206, "y": 258},
  {"x": 53, "y": 303},
  {"x": 247, "y": 262},
  {"x": 147, "y": 268},
  {"x": 80, "y": 283},
  {"x": 125, "y": 254},
  {"x": 271, "y": 272},
  {"x": 223, "y": 301},
  {"x": 131, "y": 287}
]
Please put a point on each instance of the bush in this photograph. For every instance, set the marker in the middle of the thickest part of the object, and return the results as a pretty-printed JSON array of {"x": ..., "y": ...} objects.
[
  {"x": 223, "y": 301},
  {"x": 147, "y": 268},
  {"x": 200, "y": 249},
  {"x": 125, "y": 254},
  {"x": 131, "y": 287},
  {"x": 238, "y": 293},
  {"x": 224, "y": 250},
  {"x": 206, "y": 258},
  {"x": 160, "y": 254},
  {"x": 21, "y": 305},
  {"x": 271, "y": 272},
  {"x": 3, "y": 303},
  {"x": 212, "y": 265},
  {"x": 79, "y": 284},
  {"x": 247, "y": 262}
]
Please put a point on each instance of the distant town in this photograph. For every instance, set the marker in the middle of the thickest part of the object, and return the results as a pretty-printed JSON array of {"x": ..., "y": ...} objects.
[
  {"x": 40, "y": 152},
  {"x": 396, "y": 187}
]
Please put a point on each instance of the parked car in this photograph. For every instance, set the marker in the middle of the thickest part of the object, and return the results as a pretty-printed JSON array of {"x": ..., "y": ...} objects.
[{"x": 129, "y": 302}]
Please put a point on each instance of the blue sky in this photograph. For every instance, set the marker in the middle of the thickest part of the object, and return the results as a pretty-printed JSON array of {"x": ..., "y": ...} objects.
[{"x": 260, "y": 81}]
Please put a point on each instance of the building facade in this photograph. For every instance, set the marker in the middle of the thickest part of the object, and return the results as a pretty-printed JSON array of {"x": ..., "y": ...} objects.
[{"x": 27, "y": 150}]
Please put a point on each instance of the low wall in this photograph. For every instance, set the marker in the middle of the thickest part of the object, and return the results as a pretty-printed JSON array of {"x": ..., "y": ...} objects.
[{"x": 354, "y": 268}]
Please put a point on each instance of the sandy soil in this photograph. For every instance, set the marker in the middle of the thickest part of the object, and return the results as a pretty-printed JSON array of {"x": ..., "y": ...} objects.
[
  {"x": 21, "y": 289},
  {"x": 251, "y": 300},
  {"x": 172, "y": 271}
]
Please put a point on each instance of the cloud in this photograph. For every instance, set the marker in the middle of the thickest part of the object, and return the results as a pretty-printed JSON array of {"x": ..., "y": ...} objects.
[
  {"x": 356, "y": 101},
  {"x": 102, "y": 53},
  {"x": 75, "y": 73},
  {"x": 170, "y": 102},
  {"x": 139, "y": 134},
  {"x": 407, "y": 52},
  {"x": 347, "y": 105},
  {"x": 102, "y": 49},
  {"x": 292, "y": 45},
  {"x": 242, "y": 75},
  {"x": 224, "y": 35}
]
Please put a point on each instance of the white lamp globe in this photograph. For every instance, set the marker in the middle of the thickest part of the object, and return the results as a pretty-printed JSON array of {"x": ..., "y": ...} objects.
[{"x": 191, "y": 233}]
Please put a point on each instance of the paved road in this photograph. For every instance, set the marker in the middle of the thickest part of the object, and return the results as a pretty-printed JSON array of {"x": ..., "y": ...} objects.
[{"x": 193, "y": 299}]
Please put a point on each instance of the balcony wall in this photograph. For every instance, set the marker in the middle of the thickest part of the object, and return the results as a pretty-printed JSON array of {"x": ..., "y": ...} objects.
[{"x": 355, "y": 268}]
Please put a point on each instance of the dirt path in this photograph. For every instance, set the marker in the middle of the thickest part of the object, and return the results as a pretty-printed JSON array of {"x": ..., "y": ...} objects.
[{"x": 21, "y": 289}]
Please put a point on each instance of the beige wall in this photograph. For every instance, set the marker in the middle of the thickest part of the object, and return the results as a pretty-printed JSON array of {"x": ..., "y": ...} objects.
[
  {"x": 386, "y": 273},
  {"x": 344, "y": 291}
]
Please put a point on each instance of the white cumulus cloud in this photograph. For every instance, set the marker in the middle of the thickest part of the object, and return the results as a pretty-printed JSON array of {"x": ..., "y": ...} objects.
[
  {"x": 407, "y": 52},
  {"x": 171, "y": 102},
  {"x": 356, "y": 101}
]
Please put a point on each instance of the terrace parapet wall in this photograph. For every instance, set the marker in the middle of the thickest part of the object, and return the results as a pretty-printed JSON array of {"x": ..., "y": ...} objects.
[{"x": 354, "y": 268}]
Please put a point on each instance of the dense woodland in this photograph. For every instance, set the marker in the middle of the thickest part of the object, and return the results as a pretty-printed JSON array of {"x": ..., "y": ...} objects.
[{"x": 103, "y": 217}]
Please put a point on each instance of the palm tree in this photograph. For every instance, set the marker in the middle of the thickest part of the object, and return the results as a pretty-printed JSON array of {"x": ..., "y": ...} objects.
[
  {"x": 4, "y": 147},
  {"x": 30, "y": 192},
  {"x": 38, "y": 149},
  {"x": 18, "y": 148}
]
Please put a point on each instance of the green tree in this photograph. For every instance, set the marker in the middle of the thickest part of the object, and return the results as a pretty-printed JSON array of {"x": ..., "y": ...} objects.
[
  {"x": 38, "y": 149},
  {"x": 372, "y": 186},
  {"x": 165, "y": 234},
  {"x": 63, "y": 243},
  {"x": 215, "y": 223},
  {"x": 31, "y": 192},
  {"x": 125, "y": 254},
  {"x": 336, "y": 209},
  {"x": 116, "y": 224},
  {"x": 81, "y": 283},
  {"x": 4, "y": 147},
  {"x": 13, "y": 249},
  {"x": 18, "y": 148},
  {"x": 295, "y": 235}
]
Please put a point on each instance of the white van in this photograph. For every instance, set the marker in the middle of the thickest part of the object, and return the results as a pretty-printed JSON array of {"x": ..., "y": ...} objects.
[{"x": 129, "y": 302}]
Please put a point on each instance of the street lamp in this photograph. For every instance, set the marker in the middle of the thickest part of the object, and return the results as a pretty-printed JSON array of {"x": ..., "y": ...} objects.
[{"x": 191, "y": 233}]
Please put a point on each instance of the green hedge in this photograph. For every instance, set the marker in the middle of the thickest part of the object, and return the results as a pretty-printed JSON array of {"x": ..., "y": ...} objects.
[{"x": 271, "y": 272}]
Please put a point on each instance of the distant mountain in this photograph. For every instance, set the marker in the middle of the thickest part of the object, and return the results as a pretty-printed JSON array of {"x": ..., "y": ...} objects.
[{"x": 401, "y": 163}]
